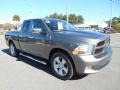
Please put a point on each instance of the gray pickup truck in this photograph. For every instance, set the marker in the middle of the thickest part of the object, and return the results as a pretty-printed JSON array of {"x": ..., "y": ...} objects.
[{"x": 68, "y": 50}]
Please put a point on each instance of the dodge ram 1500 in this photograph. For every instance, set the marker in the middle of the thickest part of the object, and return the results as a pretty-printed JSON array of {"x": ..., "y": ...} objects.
[{"x": 68, "y": 50}]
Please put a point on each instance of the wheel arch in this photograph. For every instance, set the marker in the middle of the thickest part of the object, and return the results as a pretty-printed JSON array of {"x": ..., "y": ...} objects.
[
  {"x": 10, "y": 41},
  {"x": 63, "y": 51}
]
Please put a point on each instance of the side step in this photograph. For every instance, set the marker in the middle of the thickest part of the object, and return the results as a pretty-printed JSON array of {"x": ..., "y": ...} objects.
[{"x": 42, "y": 62}]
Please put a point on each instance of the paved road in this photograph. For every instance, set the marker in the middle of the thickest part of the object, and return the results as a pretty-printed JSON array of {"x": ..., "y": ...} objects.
[{"x": 24, "y": 74}]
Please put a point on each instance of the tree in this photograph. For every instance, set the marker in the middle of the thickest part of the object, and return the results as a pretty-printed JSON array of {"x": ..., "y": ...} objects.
[
  {"x": 115, "y": 23},
  {"x": 16, "y": 18},
  {"x": 60, "y": 16},
  {"x": 115, "y": 19},
  {"x": 119, "y": 19},
  {"x": 117, "y": 27},
  {"x": 64, "y": 17},
  {"x": 73, "y": 19},
  {"x": 80, "y": 19}
]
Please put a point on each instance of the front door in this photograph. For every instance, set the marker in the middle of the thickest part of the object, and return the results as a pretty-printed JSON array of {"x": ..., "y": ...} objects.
[{"x": 38, "y": 41}]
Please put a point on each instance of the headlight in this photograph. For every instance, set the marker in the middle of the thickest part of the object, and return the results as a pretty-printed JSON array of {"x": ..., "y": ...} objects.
[{"x": 83, "y": 50}]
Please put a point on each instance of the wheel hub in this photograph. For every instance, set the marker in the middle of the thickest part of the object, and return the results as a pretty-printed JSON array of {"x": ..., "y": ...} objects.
[
  {"x": 12, "y": 49},
  {"x": 60, "y": 66}
]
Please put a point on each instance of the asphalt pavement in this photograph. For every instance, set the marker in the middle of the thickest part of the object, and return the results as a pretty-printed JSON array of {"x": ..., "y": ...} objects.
[{"x": 24, "y": 74}]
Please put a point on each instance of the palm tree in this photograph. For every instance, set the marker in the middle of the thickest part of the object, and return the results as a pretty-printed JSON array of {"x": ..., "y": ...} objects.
[{"x": 16, "y": 19}]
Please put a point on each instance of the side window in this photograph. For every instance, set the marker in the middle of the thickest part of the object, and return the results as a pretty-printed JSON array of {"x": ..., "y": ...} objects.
[
  {"x": 39, "y": 24},
  {"x": 26, "y": 26}
]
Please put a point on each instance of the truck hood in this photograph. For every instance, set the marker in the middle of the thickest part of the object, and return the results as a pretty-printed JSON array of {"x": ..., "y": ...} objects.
[{"x": 81, "y": 36}]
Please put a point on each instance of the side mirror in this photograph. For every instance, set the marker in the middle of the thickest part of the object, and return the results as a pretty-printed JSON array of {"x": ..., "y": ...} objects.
[{"x": 37, "y": 30}]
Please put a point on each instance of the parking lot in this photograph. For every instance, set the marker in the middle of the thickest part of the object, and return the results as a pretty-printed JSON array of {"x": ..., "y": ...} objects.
[{"x": 24, "y": 74}]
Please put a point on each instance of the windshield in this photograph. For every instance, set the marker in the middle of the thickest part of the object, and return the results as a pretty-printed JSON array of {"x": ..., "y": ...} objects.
[{"x": 59, "y": 25}]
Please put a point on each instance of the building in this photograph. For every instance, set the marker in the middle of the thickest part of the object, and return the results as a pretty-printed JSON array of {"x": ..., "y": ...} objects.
[{"x": 92, "y": 25}]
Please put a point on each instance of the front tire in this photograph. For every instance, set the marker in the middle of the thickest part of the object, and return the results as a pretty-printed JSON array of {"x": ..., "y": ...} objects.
[
  {"x": 62, "y": 66},
  {"x": 13, "y": 51}
]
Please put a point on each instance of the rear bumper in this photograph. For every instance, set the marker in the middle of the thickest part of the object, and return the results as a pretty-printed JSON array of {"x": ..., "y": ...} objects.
[{"x": 89, "y": 64}]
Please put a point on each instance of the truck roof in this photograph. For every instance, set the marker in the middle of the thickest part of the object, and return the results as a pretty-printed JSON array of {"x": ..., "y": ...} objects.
[{"x": 42, "y": 19}]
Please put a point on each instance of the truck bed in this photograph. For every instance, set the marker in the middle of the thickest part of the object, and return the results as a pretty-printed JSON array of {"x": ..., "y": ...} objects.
[{"x": 14, "y": 36}]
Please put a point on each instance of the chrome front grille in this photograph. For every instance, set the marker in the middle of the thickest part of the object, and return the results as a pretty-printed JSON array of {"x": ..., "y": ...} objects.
[
  {"x": 101, "y": 48},
  {"x": 101, "y": 43},
  {"x": 97, "y": 51}
]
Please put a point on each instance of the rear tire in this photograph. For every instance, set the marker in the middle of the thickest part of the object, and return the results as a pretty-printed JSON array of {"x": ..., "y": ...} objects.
[
  {"x": 13, "y": 51},
  {"x": 62, "y": 66}
]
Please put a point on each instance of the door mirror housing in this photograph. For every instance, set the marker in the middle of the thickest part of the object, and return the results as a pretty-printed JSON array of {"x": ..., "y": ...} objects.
[{"x": 37, "y": 30}]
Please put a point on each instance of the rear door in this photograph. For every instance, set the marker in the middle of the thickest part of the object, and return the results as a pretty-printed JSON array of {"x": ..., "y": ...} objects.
[{"x": 25, "y": 36}]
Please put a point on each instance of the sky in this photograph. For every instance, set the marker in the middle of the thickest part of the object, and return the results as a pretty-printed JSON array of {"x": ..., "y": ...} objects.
[{"x": 91, "y": 10}]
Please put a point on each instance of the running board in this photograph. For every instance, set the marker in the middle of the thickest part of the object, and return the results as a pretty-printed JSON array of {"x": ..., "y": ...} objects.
[{"x": 42, "y": 62}]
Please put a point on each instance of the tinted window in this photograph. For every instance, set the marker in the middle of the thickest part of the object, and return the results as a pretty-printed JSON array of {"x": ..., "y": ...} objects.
[
  {"x": 39, "y": 24},
  {"x": 25, "y": 27},
  {"x": 59, "y": 25}
]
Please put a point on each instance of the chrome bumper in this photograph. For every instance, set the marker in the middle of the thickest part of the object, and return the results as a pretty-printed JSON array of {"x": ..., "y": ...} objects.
[{"x": 89, "y": 64}]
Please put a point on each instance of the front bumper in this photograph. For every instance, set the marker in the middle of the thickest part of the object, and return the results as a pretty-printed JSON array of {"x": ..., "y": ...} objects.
[{"x": 89, "y": 64}]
